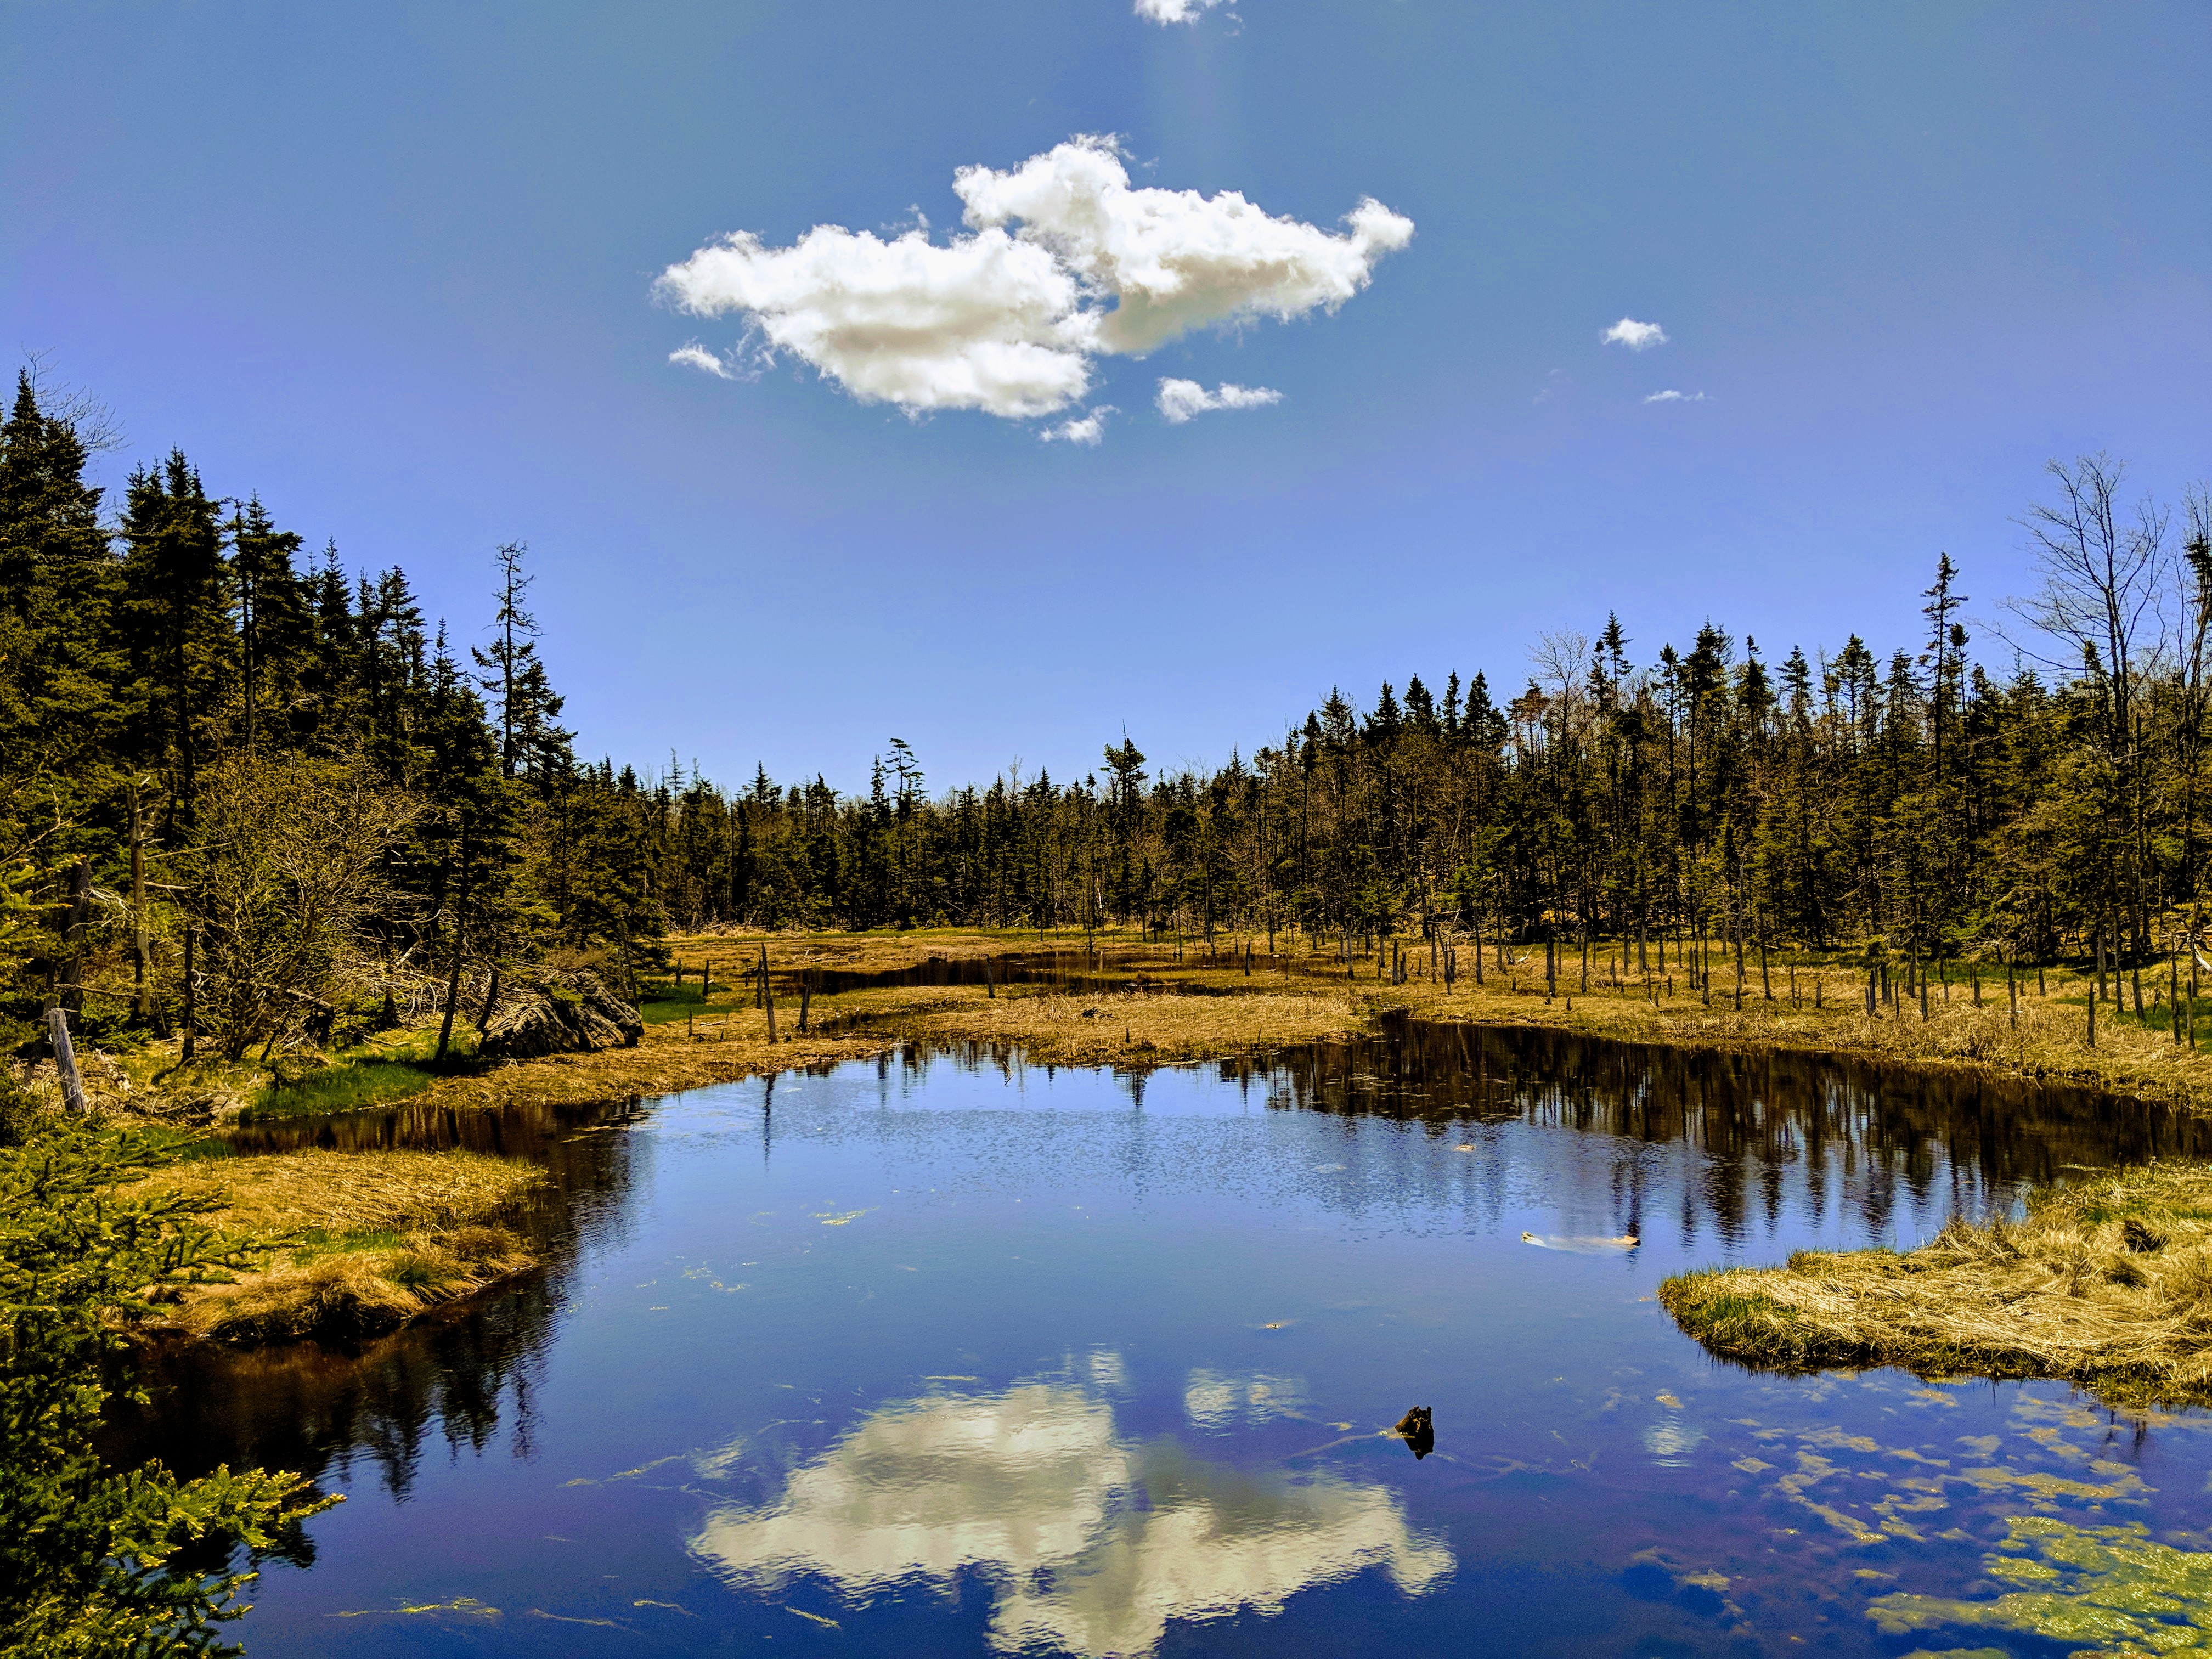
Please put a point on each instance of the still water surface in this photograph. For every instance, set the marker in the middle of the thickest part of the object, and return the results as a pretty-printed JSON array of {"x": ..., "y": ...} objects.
[{"x": 944, "y": 1355}]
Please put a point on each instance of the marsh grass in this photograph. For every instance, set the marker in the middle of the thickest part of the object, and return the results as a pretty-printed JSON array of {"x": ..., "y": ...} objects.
[
  {"x": 1131, "y": 1027},
  {"x": 345, "y": 1086},
  {"x": 724, "y": 1037},
  {"x": 2106, "y": 1283},
  {"x": 663, "y": 1002},
  {"x": 2047, "y": 1039},
  {"x": 360, "y": 1242}
]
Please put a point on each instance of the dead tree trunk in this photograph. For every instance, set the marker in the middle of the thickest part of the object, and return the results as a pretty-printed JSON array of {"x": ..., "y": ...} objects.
[{"x": 65, "y": 1061}]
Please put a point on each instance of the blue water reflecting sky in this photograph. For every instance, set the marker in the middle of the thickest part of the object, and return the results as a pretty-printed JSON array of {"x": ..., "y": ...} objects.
[{"x": 941, "y": 1357}]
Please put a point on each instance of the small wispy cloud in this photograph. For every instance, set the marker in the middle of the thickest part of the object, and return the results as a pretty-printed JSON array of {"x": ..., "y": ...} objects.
[
  {"x": 1173, "y": 11},
  {"x": 1557, "y": 384},
  {"x": 694, "y": 356},
  {"x": 1670, "y": 396},
  {"x": 1637, "y": 337},
  {"x": 1088, "y": 429},
  {"x": 1179, "y": 400}
]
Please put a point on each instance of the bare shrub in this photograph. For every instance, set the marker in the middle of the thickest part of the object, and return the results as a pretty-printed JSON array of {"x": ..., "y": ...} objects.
[{"x": 288, "y": 875}]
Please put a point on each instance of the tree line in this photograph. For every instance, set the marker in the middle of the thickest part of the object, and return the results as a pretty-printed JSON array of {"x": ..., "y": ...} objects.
[
  {"x": 250, "y": 782},
  {"x": 1919, "y": 805},
  {"x": 214, "y": 746}
]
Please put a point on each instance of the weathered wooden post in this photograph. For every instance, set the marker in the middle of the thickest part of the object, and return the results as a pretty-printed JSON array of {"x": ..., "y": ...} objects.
[
  {"x": 767, "y": 995},
  {"x": 66, "y": 1060}
]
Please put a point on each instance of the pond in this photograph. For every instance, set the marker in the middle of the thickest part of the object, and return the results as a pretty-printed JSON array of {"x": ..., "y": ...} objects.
[{"x": 944, "y": 1354}]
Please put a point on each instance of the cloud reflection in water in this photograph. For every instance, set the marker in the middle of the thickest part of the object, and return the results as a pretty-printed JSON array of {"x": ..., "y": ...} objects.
[{"x": 1094, "y": 1542}]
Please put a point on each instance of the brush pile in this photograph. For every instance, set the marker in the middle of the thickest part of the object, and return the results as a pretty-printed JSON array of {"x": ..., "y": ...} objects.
[
  {"x": 560, "y": 1013},
  {"x": 2106, "y": 1283}
]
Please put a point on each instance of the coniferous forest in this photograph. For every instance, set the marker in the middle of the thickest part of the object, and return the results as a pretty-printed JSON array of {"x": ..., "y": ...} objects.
[{"x": 220, "y": 745}]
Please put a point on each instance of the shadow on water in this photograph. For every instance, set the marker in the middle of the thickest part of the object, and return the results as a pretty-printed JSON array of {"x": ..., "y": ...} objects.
[
  {"x": 1854, "y": 1132},
  {"x": 317, "y": 1410},
  {"x": 1863, "y": 1141}
]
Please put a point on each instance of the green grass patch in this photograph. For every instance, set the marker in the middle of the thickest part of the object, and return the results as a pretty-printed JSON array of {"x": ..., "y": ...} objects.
[
  {"x": 188, "y": 1145},
  {"x": 411, "y": 1043},
  {"x": 349, "y": 1087},
  {"x": 323, "y": 1241},
  {"x": 664, "y": 1002}
]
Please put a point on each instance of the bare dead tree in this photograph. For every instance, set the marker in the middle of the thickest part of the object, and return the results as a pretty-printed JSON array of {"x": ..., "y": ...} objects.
[{"x": 2106, "y": 582}]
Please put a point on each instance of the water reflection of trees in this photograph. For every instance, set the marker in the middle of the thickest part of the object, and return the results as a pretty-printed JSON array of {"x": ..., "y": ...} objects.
[
  {"x": 1854, "y": 1136},
  {"x": 446, "y": 1380}
]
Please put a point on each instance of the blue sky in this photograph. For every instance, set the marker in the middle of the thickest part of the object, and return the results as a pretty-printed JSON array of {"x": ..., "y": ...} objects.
[{"x": 393, "y": 268}]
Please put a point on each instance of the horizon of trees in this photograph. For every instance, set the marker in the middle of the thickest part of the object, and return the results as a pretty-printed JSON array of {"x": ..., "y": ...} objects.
[{"x": 210, "y": 740}]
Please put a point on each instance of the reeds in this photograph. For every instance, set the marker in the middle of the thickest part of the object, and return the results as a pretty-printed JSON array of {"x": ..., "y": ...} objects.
[{"x": 2106, "y": 1283}]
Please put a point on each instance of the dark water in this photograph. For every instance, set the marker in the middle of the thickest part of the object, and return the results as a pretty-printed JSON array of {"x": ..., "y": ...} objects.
[{"x": 943, "y": 1355}]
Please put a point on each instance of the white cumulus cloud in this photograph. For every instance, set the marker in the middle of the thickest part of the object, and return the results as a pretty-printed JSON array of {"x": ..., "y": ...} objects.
[
  {"x": 985, "y": 322},
  {"x": 1637, "y": 337},
  {"x": 1063, "y": 260},
  {"x": 694, "y": 356},
  {"x": 1086, "y": 429},
  {"x": 1174, "y": 11},
  {"x": 1670, "y": 396},
  {"x": 1181, "y": 399}
]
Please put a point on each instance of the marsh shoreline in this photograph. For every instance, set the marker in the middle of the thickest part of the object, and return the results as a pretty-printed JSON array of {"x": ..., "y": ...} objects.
[{"x": 1123, "y": 1008}]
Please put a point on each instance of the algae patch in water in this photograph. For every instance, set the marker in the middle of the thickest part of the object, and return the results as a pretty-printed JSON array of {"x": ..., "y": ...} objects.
[{"x": 2116, "y": 1590}]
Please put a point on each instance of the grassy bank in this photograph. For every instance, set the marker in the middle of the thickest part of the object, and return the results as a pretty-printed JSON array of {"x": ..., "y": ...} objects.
[
  {"x": 1128, "y": 1003},
  {"x": 1301, "y": 995},
  {"x": 1801, "y": 1001},
  {"x": 2106, "y": 1283},
  {"x": 367, "y": 1240},
  {"x": 1298, "y": 994}
]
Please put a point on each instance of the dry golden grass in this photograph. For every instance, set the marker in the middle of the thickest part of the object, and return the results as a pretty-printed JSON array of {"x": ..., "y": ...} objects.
[
  {"x": 2107, "y": 1282},
  {"x": 868, "y": 953},
  {"x": 1313, "y": 1000},
  {"x": 729, "y": 1038},
  {"x": 371, "y": 1239},
  {"x": 353, "y": 1192},
  {"x": 1128, "y": 1027},
  {"x": 1298, "y": 995},
  {"x": 2047, "y": 1040},
  {"x": 728, "y": 1044}
]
